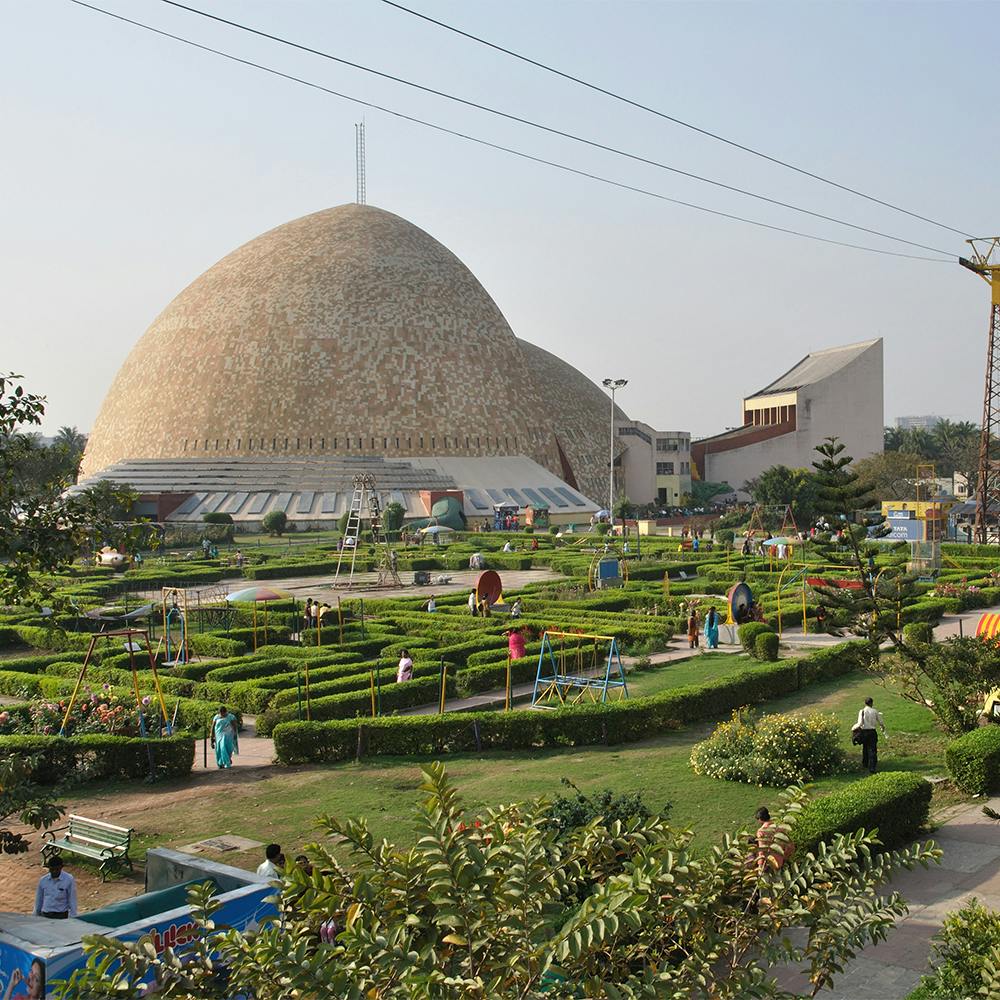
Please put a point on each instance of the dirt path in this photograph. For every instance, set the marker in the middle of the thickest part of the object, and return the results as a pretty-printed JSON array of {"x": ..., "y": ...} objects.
[{"x": 135, "y": 806}]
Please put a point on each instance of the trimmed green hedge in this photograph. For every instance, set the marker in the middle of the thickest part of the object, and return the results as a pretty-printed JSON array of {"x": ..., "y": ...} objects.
[
  {"x": 578, "y": 725},
  {"x": 918, "y": 632},
  {"x": 896, "y": 803},
  {"x": 765, "y": 647},
  {"x": 748, "y": 633},
  {"x": 100, "y": 757},
  {"x": 216, "y": 645},
  {"x": 973, "y": 760},
  {"x": 357, "y": 703},
  {"x": 19, "y": 684}
]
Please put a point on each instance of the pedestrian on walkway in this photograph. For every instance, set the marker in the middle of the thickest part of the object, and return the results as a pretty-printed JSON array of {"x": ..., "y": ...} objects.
[
  {"x": 712, "y": 628},
  {"x": 55, "y": 896},
  {"x": 307, "y": 614},
  {"x": 404, "y": 672},
  {"x": 693, "y": 629},
  {"x": 865, "y": 733},
  {"x": 515, "y": 644},
  {"x": 225, "y": 738},
  {"x": 472, "y": 602}
]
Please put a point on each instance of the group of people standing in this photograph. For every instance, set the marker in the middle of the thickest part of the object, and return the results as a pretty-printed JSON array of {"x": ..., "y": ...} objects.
[
  {"x": 711, "y": 628},
  {"x": 314, "y": 612}
]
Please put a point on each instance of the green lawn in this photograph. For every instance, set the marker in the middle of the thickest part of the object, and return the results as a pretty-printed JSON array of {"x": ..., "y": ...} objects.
[
  {"x": 699, "y": 668},
  {"x": 283, "y": 806}
]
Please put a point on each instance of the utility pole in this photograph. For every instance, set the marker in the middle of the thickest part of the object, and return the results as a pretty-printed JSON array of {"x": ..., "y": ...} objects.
[
  {"x": 612, "y": 385},
  {"x": 985, "y": 261}
]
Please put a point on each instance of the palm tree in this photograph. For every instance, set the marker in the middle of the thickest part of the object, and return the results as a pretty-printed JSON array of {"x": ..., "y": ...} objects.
[
  {"x": 71, "y": 439},
  {"x": 893, "y": 439},
  {"x": 69, "y": 444}
]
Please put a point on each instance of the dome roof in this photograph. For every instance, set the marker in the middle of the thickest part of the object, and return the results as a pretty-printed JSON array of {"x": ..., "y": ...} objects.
[
  {"x": 580, "y": 413},
  {"x": 346, "y": 331}
]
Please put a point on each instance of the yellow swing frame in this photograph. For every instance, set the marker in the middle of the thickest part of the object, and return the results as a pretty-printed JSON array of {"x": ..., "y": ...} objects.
[{"x": 127, "y": 633}]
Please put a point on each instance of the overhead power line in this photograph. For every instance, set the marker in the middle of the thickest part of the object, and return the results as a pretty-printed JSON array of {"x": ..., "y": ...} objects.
[
  {"x": 493, "y": 145},
  {"x": 551, "y": 130},
  {"x": 670, "y": 118}
]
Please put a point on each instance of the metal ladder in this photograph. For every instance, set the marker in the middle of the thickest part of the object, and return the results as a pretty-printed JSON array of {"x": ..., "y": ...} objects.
[
  {"x": 383, "y": 551},
  {"x": 353, "y": 531},
  {"x": 366, "y": 497}
]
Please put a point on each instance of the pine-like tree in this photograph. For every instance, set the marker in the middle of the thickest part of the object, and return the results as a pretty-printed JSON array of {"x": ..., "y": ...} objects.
[{"x": 848, "y": 508}]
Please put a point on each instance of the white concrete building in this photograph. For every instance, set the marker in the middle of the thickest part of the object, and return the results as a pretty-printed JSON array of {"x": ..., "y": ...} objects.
[
  {"x": 833, "y": 393},
  {"x": 652, "y": 466}
]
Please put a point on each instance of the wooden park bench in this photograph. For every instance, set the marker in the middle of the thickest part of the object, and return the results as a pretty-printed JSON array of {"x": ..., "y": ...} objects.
[{"x": 92, "y": 839}]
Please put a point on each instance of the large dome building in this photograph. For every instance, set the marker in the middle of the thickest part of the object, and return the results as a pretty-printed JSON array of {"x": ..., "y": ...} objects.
[{"x": 346, "y": 338}]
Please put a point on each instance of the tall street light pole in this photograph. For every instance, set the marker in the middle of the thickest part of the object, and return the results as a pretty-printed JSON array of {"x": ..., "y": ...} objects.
[{"x": 612, "y": 385}]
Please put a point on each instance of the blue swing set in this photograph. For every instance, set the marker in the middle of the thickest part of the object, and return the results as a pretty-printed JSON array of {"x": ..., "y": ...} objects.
[{"x": 567, "y": 681}]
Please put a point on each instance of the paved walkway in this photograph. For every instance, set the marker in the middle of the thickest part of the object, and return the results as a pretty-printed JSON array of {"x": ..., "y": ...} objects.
[
  {"x": 459, "y": 580},
  {"x": 970, "y": 867},
  {"x": 255, "y": 751}
]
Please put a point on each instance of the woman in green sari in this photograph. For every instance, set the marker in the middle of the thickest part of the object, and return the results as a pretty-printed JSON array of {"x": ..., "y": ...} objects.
[{"x": 225, "y": 738}]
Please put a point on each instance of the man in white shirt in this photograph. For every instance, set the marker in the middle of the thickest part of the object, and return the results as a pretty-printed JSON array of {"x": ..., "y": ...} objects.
[
  {"x": 472, "y": 602},
  {"x": 55, "y": 897},
  {"x": 271, "y": 867},
  {"x": 869, "y": 721},
  {"x": 507, "y": 547}
]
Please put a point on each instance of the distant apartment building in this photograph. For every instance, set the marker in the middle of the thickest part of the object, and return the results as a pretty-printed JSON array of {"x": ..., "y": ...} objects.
[
  {"x": 925, "y": 423},
  {"x": 652, "y": 466}
]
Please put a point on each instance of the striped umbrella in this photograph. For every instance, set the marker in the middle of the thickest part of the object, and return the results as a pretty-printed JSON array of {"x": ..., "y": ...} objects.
[{"x": 255, "y": 594}]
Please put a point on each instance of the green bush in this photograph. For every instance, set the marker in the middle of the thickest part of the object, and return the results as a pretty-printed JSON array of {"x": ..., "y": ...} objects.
[
  {"x": 58, "y": 640},
  {"x": 973, "y": 760},
  {"x": 274, "y": 522},
  {"x": 748, "y": 633},
  {"x": 101, "y": 756},
  {"x": 217, "y": 533},
  {"x": 9, "y": 637},
  {"x": 571, "y": 812},
  {"x": 765, "y": 647},
  {"x": 217, "y": 517},
  {"x": 930, "y": 609},
  {"x": 961, "y": 948},
  {"x": 917, "y": 632},
  {"x": 777, "y": 749},
  {"x": 896, "y": 803},
  {"x": 216, "y": 645},
  {"x": 18, "y": 684},
  {"x": 602, "y": 527}
]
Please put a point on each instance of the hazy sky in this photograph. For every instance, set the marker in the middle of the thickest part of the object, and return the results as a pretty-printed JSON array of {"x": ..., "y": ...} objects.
[{"x": 131, "y": 163}]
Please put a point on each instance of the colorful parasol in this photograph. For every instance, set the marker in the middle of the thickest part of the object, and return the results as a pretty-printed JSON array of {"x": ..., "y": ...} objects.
[
  {"x": 259, "y": 593},
  {"x": 255, "y": 594}
]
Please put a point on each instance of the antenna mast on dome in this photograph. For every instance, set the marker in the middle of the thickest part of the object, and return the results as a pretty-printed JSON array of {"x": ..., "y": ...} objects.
[{"x": 359, "y": 156}]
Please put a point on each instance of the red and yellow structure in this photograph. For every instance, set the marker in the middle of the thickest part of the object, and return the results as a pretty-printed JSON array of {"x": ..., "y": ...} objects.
[{"x": 989, "y": 628}]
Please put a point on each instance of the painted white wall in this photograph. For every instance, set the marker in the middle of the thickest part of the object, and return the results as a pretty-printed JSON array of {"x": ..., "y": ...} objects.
[{"x": 847, "y": 404}]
